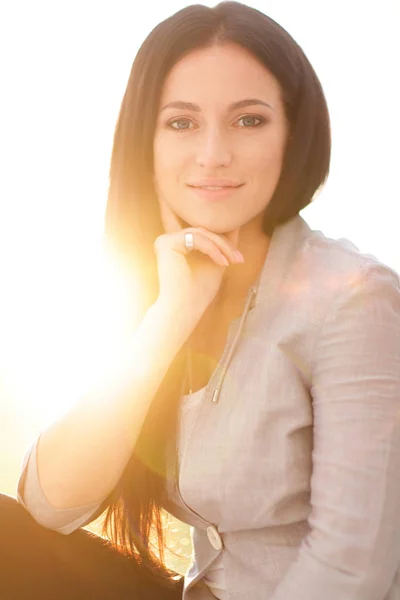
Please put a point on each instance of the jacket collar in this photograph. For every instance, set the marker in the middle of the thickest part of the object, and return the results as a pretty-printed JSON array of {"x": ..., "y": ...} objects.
[{"x": 285, "y": 241}]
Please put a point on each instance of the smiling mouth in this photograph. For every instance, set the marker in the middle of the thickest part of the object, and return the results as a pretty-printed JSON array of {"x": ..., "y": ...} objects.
[
  {"x": 212, "y": 187},
  {"x": 215, "y": 187},
  {"x": 215, "y": 193}
]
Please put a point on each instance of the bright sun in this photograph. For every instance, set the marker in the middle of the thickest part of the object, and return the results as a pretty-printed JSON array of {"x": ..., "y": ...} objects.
[{"x": 56, "y": 344}]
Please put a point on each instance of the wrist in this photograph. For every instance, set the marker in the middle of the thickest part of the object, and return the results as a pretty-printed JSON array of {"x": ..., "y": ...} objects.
[{"x": 180, "y": 315}]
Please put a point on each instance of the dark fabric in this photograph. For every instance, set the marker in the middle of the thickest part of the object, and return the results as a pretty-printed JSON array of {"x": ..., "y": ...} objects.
[{"x": 40, "y": 564}]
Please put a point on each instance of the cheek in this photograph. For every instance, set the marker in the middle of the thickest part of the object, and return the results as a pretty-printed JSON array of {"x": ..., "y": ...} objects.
[
  {"x": 168, "y": 157},
  {"x": 158, "y": 157},
  {"x": 264, "y": 165},
  {"x": 264, "y": 155}
]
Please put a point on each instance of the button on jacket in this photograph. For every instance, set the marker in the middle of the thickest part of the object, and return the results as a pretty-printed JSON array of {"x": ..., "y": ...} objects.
[{"x": 291, "y": 472}]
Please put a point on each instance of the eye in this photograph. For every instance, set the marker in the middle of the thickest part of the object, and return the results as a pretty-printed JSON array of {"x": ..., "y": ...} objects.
[
  {"x": 184, "y": 122},
  {"x": 249, "y": 121}
]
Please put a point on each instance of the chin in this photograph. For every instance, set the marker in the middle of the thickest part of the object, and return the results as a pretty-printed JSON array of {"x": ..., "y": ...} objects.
[{"x": 214, "y": 227}]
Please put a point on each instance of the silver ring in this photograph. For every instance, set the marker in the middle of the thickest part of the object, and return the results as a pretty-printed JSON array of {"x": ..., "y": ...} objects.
[{"x": 189, "y": 242}]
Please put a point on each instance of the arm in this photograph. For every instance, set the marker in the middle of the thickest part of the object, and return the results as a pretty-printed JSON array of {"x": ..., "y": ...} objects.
[
  {"x": 30, "y": 495},
  {"x": 353, "y": 549},
  {"x": 81, "y": 457}
]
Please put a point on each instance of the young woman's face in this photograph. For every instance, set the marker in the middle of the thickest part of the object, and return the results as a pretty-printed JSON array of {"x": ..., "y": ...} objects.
[{"x": 202, "y": 137}]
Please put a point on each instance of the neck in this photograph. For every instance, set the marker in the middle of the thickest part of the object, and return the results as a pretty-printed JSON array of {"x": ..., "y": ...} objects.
[{"x": 238, "y": 278}]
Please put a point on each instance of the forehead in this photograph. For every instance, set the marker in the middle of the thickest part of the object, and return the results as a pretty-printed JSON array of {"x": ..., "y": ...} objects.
[{"x": 225, "y": 71}]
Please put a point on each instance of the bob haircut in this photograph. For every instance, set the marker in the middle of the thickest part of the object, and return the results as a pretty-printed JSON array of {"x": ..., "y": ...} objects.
[{"x": 133, "y": 220}]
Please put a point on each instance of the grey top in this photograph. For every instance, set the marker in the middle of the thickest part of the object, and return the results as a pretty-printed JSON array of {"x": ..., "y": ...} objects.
[
  {"x": 31, "y": 495},
  {"x": 291, "y": 477}
]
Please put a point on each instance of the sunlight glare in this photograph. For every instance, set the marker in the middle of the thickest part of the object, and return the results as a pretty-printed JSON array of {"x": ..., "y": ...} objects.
[{"x": 50, "y": 360}]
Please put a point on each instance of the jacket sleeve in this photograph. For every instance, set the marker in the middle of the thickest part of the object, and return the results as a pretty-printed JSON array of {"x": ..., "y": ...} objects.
[
  {"x": 352, "y": 551},
  {"x": 31, "y": 496}
]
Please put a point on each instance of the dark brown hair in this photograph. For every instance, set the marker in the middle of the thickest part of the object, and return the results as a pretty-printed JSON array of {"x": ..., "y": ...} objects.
[{"x": 133, "y": 220}]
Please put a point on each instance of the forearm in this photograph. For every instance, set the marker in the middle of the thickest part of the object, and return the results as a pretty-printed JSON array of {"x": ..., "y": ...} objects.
[{"x": 82, "y": 456}]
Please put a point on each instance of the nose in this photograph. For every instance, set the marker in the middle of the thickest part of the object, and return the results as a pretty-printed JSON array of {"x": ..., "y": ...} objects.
[{"x": 213, "y": 149}]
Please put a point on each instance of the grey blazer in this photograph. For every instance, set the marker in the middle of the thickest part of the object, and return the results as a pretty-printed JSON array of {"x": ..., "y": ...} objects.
[{"x": 291, "y": 472}]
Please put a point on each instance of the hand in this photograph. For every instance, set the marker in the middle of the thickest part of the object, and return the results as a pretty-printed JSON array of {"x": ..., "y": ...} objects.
[{"x": 191, "y": 281}]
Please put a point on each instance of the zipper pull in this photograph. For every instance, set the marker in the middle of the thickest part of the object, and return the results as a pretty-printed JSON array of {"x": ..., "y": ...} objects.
[{"x": 215, "y": 396}]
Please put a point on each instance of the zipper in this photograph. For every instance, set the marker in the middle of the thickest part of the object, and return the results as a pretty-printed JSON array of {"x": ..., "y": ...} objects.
[
  {"x": 225, "y": 365},
  {"x": 217, "y": 390}
]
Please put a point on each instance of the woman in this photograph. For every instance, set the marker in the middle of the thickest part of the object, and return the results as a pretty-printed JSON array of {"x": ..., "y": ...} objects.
[{"x": 258, "y": 396}]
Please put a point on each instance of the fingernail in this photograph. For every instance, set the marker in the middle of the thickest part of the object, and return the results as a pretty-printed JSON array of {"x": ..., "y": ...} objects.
[
  {"x": 225, "y": 260},
  {"x": 239, "y": 256}
]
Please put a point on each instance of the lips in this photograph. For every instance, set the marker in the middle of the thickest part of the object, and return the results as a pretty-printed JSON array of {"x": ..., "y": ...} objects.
[
  {"x": 213, "y": 188},
  {"x": 215, "y": 194},
  {"x": 214, "y": 183}
]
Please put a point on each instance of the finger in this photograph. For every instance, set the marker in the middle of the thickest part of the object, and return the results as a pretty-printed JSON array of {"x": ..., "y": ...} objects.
[
  {"x": 227, "y": 247},
  {"x": 233, "y": 237},
  {"x": 169, "y": 218},
  {"x": 205, "y": 246},
  {"x": 202, "y": 244}
]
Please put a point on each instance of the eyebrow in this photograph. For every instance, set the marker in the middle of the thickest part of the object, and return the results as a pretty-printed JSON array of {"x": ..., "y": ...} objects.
[{"x": 195, "y": 107}]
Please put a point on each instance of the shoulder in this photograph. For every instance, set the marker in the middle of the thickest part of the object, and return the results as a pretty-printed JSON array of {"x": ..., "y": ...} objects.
[
  {"x": 324, "y": 274},
  {"x": 351, "y": 303},
  {"x": 336, "y": 266}
]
